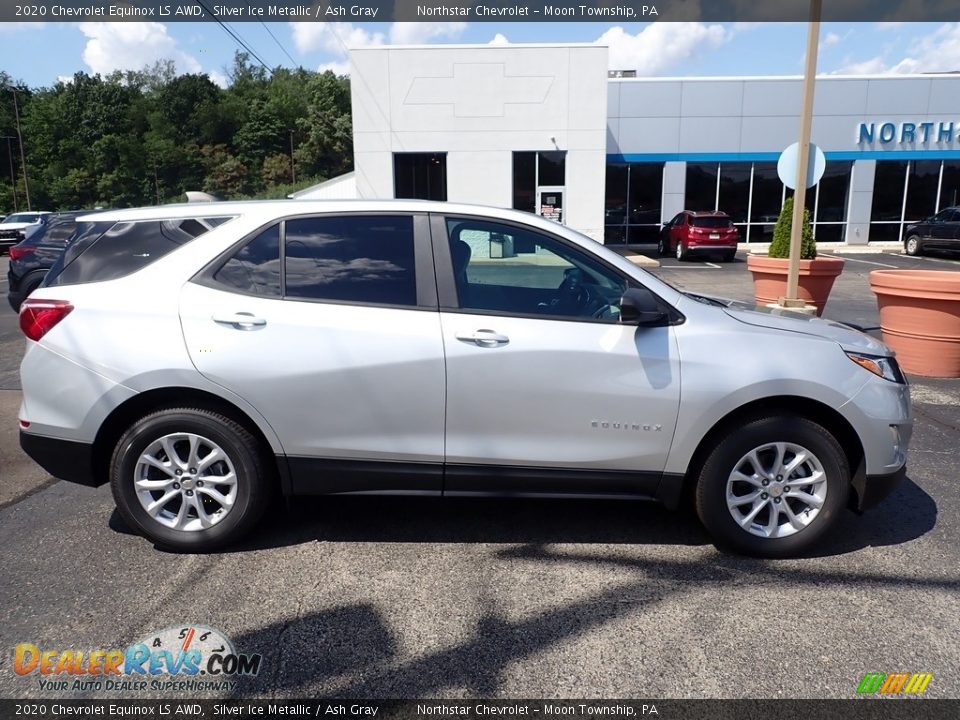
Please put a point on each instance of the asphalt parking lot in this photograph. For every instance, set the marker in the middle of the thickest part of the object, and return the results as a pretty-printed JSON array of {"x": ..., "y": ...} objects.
[{"x": 401, "y": 598}]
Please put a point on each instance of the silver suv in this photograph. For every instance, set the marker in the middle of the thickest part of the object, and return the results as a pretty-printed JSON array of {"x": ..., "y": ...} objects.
[{"x": 201, "y": 360}]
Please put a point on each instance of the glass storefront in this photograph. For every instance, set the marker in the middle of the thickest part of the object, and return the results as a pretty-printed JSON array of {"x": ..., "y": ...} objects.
[
  {"x": 752, "y": 195},
  {"x": 906, "y": 192},
  {"x": 633, "y": 200}
]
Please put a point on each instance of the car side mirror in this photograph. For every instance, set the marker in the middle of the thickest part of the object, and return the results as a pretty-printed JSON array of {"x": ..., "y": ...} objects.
[{"x": 638, "y": 306}]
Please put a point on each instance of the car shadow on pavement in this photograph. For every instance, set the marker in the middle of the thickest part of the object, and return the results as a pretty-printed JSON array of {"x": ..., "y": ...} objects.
[
  {"x": 350, "y": 650},
  {"x": 906, "y": 515}
]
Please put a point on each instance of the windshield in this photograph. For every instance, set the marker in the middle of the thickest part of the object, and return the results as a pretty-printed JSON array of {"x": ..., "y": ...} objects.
[{"x": 22, "y": 218}]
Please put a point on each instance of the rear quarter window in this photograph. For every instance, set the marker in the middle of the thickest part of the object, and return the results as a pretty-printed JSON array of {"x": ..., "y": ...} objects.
[{"x": 119, "y": 249}]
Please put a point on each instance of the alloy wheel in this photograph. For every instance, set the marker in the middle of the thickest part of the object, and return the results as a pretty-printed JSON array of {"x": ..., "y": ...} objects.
[
  {"x": 185, "y": 481},
  {"x": 776, "y": 490}
]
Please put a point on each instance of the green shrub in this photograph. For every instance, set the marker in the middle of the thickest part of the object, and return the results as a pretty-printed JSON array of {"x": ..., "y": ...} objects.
[{"x": 780, "y": 247}]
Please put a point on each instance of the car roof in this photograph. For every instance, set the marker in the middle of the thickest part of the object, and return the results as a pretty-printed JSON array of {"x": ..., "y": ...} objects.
[
  {"x": 707, "y": 213},
  {"x": 277, "y": 208}
]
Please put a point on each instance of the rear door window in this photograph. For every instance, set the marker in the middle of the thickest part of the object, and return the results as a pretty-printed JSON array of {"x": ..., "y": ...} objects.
[{"x": 354, "y": 259}]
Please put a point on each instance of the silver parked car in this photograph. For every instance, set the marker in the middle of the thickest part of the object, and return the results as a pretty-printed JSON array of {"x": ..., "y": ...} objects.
[{"x": 201, "y": 358}]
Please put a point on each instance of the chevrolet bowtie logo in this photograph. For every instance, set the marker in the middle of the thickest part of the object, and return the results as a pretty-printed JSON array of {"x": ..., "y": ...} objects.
[{"x": 479, "y": 90}]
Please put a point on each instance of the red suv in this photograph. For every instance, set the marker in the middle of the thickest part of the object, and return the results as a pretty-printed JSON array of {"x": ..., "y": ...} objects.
[{"x": 699, "y": 232}]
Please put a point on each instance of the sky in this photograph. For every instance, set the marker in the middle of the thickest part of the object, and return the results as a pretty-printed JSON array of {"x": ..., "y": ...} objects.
[{"x": 41, "y": 54}]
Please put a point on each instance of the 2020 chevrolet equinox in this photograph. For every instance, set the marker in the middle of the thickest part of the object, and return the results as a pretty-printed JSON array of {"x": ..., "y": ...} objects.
[{"x": 200, "y": 360}]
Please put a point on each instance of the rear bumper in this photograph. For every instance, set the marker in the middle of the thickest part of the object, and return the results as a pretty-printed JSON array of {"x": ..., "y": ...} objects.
[
  {"x": 707, "y": 247},
  {"x": 64, "y": 459},
  {"x": 874, "y": 488}
]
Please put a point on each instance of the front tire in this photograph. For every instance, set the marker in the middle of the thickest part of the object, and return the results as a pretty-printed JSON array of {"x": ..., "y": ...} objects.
[
  {"x": 912, "y": 246},
  {"x": 662, "y": 249},
  {"x": 189, "y": 479},
  {"x": 773, "y": 487}
]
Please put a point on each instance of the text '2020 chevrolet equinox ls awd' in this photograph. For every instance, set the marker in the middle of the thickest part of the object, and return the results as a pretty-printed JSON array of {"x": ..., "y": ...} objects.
[{"x": 199, "y": 360}]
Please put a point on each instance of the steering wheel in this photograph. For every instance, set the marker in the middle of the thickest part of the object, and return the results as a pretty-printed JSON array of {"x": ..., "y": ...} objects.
[{"x": 573, "y": 295}]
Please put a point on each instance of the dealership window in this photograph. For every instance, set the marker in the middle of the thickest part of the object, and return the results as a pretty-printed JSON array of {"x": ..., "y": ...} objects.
[
  {"x": 922, "y": 190},
  {"x": 532, "y": 170},
  {"x": 752, "y": 195},
  {"x": 766, "y": 201},
  {"x": 734, "y": 195},
  {"x": 886, "y": 213},
  {"x": 633, "y": 201},
  {"x": 551, "y": 168},
  {"x": 420, "y": 176},
  {"x": 949, "y": 185},
  {"x": 525, "y": 181},
  {"x": 830, "y": 200},
  {"x": 702, "y": 186},
  {"x": 905, "y": 192}
]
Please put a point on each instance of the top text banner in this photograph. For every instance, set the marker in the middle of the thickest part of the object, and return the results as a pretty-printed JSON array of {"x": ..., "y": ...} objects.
[{"x": 473, "y": 11}]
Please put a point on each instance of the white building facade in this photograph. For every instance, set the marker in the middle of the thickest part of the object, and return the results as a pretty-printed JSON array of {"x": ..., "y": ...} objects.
[{"x": 541, "y": 128}]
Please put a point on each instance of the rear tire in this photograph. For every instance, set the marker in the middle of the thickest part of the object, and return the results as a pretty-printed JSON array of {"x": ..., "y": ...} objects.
[
  {"x": 729, "y": 256},
  {"x": 202, "y": 474},
  {"x": 681, "y": 251},
  {"x": 750, "y": 499},
  {"x": 912, "y": 246},
  {"x": 28, "y": 285}
]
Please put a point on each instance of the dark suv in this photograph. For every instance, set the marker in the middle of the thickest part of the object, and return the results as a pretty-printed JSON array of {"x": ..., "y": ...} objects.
[
  {"x": 31, "y": 258},
  {"x": 940, "y": 232}
]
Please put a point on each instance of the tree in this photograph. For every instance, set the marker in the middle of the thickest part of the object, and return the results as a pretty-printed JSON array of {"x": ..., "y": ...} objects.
[{"x": 780, "y": 246}]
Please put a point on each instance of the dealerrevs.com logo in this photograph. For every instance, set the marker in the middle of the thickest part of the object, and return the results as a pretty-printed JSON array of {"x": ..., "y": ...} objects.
[
  {"x": 894, "y": 683},
  {"x": 184, "y": 658}
]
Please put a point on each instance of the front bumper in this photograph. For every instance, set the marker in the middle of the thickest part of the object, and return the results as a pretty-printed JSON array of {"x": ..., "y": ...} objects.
[
  {"x": 871, "y": 489},
  {"x": 64, "y": 459}
]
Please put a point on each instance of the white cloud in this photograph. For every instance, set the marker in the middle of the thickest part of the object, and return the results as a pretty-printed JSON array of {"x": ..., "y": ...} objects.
[
  {"x": 936, "y": 52},
  {"x": 661, "y": 45},
  {"x": 418, "y": 33},
  {"x": 65, "y": 79},
  {"x": 830, "y": 40},
  {"x": 218, "y": 78},
  {"x": 337, "y": 67},
  {"x": 131, "y": 46},
  {"x": 499, "y": 39},
  {"x": 888, "y": 25},
  {"x": 337, "y": 37},
  {"x": 873, "y": 66}
]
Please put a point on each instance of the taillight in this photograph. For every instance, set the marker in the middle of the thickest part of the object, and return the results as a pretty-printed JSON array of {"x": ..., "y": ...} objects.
[
  {"x": 17, "y": 252},
  {"x": 38, "y": 317}
]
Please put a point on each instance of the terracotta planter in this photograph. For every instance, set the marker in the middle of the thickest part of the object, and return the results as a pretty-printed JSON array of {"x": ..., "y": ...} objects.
[
  {"x": 920, "y": 318},
  {"x": 816, "y": 279}
]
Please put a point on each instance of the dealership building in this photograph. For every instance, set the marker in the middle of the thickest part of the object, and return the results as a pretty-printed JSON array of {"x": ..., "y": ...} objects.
[{"x": 547, "y": 129}]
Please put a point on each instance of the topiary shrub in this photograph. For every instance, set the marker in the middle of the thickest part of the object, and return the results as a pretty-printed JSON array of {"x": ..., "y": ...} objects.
[{"x": 780, "y": 247}]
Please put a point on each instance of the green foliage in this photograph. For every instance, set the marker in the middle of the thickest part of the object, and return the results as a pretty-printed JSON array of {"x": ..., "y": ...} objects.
[
  {"x": 145, "y": 137},
  {"x": 780, "y": 247}
]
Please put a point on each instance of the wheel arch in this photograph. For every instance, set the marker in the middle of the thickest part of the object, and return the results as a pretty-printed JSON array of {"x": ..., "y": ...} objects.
[
  {"x": 823, "y": 414},
  {"x": 144, "y": 403}
]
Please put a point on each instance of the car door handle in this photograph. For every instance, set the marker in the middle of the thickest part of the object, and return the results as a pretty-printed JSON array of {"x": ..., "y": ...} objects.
[
  {"x": 483, "y": 338},
  {"x": 240, "y": 320}
]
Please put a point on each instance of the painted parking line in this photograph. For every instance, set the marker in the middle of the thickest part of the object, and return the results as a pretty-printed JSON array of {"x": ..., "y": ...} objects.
[
  {"x": 869, "y": 262},
  {"x": 699, "y": 266},
  {"x": 939, "y": 260}
]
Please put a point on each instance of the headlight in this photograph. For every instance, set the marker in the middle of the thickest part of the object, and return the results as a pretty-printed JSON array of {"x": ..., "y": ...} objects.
[{"x": 885, "y": 367}]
